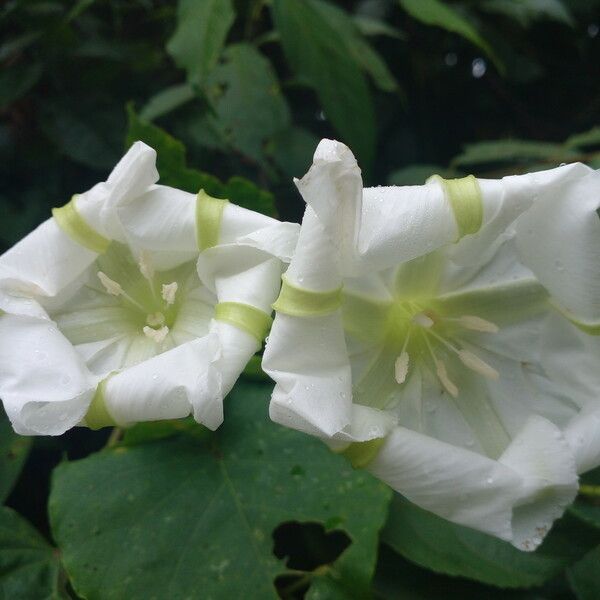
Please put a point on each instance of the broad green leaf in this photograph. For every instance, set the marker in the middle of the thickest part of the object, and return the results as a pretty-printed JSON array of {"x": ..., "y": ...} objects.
[
  {"x": 526, "y": 11},
  {"x": 356, "y": 46},
  {"x": 173, "y": 169},
  {"x": 418, "y": 174},
  {"x": 193, "y": 516},
  {"x": 318, "y": 54},
  {"x": 166, "y": 101},
  {"x": 510, "y": 151},
  {"x": 292, "y": 150},
  {"x": 585, "y": 139},
  {"x": 587, "y": 505},
  {"x": 13, "y": 453},
  {"x": 248, "y": 104},
  {"x": 200, "y": 35},
  {"x": 444, "y": 547},
  {"x": 371, "y": 27},
  {"x": 584, "y": 576},
  {"x": 17, "y": 80},
  {"x": 440, "y": 14},
  {"x": 29, "y": 566}
]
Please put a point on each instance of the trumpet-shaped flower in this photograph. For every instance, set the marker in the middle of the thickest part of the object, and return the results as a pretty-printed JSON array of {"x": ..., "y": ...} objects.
[
  {"x": 421, "y": 330},
  {"x": 135, "y": 302}
]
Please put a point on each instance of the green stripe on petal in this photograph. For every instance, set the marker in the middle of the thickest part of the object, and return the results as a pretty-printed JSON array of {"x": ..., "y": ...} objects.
[
  {"x": 209, "y": 215},
  {"x": 244, "y": 316},
  {"x": 360, "y": 454},
  {"x": 300, "y": 302},
  {"x": 97, "y": 415},
  {"x": 75, "y": 226}
]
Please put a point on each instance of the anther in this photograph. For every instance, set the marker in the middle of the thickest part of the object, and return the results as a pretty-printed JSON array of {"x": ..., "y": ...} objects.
[
  {"x": 477, "y": 324},
  {"x": 146, "y": 268},
  {"x": 442, "y": 374},
  {"x": 477, "y": 364},
  {"x": 155, "y": 319},
  {"x": 423, "y": 320},
  {"x": 169, "y": 291},
  {"x": 111, "y": 286},
  {"x": 401, "y": 367}
]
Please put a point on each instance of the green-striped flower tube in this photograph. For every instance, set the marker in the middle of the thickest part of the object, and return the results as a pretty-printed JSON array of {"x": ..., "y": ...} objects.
[
  {"x": 433, "y": 334},
  {"x": 135, "y": 302}
]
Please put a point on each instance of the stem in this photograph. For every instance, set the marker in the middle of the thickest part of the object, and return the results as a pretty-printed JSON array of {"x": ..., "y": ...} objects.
[
  {"x": 593, "y": 491},
  {"x": 115, "y": 437}
]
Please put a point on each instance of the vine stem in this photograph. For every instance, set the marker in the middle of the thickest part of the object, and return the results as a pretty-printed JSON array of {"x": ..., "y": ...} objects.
[
  {"x": 593, "y": 491},
  {"x": 115, "y": 437}
]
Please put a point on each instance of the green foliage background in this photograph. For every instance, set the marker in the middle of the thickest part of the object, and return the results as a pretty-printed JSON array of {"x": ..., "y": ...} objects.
[{"x": 234, "y": 95}]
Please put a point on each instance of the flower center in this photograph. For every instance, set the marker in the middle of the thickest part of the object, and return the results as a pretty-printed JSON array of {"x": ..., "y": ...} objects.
[{"x": 429, "y": 335}]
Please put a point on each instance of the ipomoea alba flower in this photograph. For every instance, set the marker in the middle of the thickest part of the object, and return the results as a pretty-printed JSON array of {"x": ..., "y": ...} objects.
[
  {"x": 420, "y": 331},
  {"x": 135, "y": 302}
]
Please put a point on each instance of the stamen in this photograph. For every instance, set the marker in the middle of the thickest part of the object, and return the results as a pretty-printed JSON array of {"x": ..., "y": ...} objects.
[
  {"x": 155, "y": 319},
  {"x": 477, "y": 324},
  {"x": 477, "y": 364},
  {"x": 146, "y": 268},
  {"x": 111, "y": 286},
  {"x": 423, "y": 320},
  {"x": 442, "y": 374},
  {"x": 401, "y": 367},
  {"x": 157, "y": 335},
  {"x": 169, "y": 291}
]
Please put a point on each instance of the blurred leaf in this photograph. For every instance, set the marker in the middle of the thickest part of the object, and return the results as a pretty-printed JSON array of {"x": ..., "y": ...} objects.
[
  {"x": 247, "y": 100},
  {"x": 511, "y": 151},
  {"x": 198, "y": 514},
  {"x": 371, "y": 27},
  {"x": 356, "y": 46},
  {"x": 526, "y": 11},
  {"x": 200, "y": 35},
  {"x": 13, "y": 453},
  {"x": 587, "y": 505},
  {"x": 173, "y": 169},
  {"x": 584, "y": 578},
  {"x": 318, "y": 54},
  {"x": 166, "y": 101},
  {"x": 17, "y": 80},
  {"x": 85, "y": 135},
  {"x": 418, "y": 174},
  {"x": 443, "y": 547},
  {"x": 585, "y": 139},
  {"x": 17, "y": 44},
  {"x": 440, "y": 14},
  {"x": 292, "y": 150},
  {"x": 29, "y": 566}
]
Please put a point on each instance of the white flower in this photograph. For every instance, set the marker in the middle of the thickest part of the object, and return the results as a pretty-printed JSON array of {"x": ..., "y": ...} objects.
[
  {"x": 413, "y": 335},
  {"x": 135, "y": 302}
]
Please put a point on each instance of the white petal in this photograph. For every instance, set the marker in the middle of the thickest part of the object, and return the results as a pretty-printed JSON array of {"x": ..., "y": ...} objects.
[
  {"x": 45, "y": 385},
  {"x": 559, "y": 239}
]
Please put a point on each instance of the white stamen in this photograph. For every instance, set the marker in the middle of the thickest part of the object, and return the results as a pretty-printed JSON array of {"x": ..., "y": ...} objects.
[
  {"x": 477, "y": 364},
  {"x": 111, "y": 286},
  {"x": 155, "y": 319},
  {"x": 146, "y": 268},
  {"x": 169, "y": 291},
  {"x": 477, "y": 324},
  {"x": 442, "y": 374},
  {"x": 401, "y": 367},
  {"x": 157, "y": 335},
  {"x": 423, "y": 320}
]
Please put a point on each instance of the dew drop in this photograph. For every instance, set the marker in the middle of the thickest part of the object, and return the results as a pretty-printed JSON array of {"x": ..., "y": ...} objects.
[{"x": 478, "y": 68}]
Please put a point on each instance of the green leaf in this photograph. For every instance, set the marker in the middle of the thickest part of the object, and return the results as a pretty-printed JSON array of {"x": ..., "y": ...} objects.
[
  {"x": 17, "y": 80},
  {"x": 248, "y": 104},
  {"x": 201, "y": 31},
  {"x": 584, "y": 578},
  {"x": 440, "y": 14},
  {"x": 526, "y": 11},
  {"x": 29, "y": 566},
  {"x": 585, "y": 139},
  {"x": 587, "y": 505},
  {"x": 318, "y": 54},
  {"x": 166, "y": 101},
  {"x": 173, "y": 169},
  {"x": 371, "y": 27},
  {"x": 292, "y": 150},
  {"x": 511, "y": 151},
  {"x": 356, "y": 46},
  {"x": 13, "y": 453},
  {"x": 444, "y": 547},
  {"x": 194, "y": 515}
]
